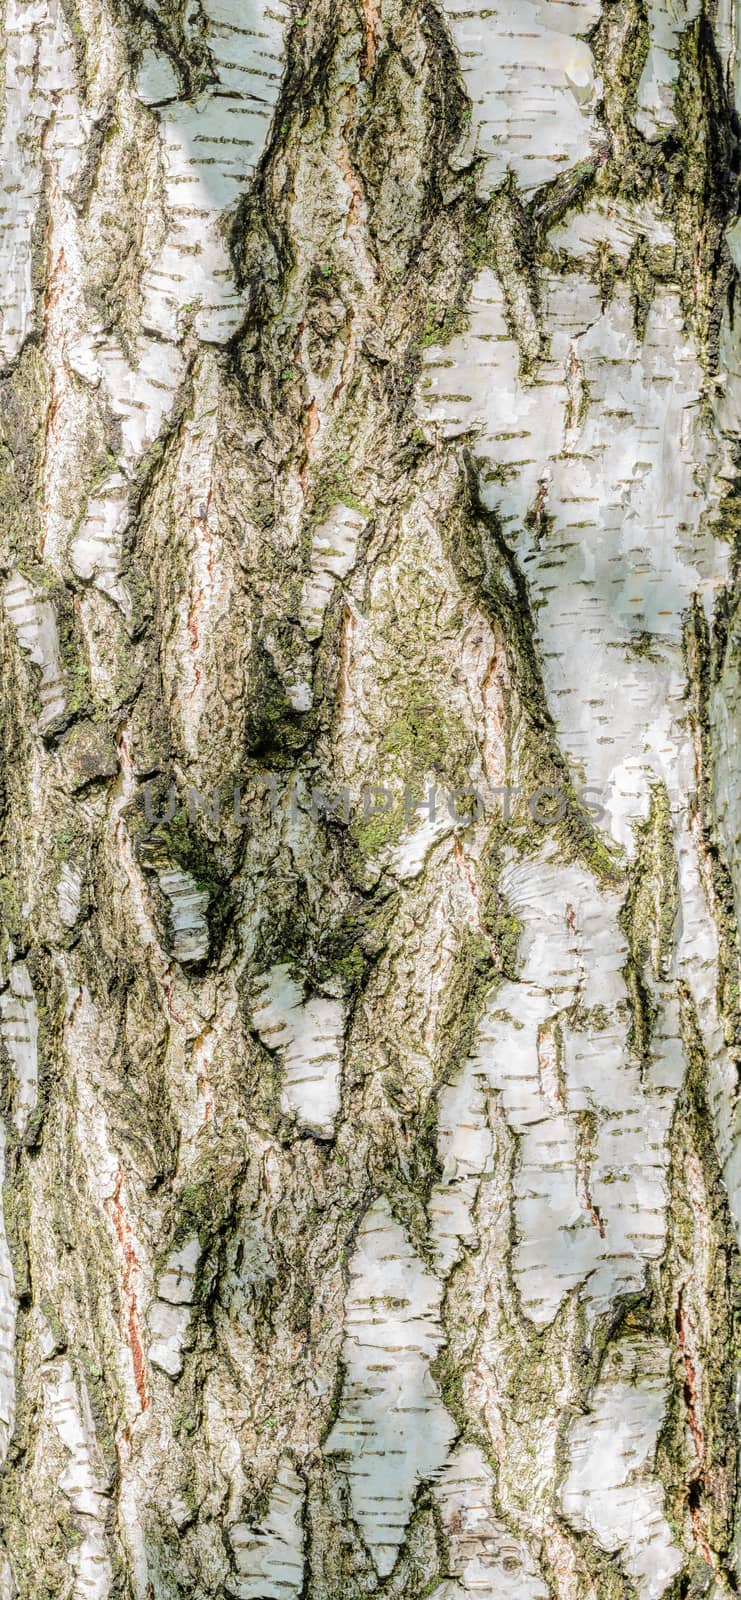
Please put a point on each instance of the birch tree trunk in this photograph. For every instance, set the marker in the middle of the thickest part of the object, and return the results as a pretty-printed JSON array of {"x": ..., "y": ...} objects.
[{"x": 370, "y": 397}]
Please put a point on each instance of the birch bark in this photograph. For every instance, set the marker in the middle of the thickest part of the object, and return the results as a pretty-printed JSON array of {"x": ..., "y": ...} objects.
[{"x": 370, "y": 878}]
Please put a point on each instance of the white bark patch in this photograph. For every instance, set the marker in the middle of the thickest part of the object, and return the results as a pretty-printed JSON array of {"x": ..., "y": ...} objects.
[
  {"x": 36, "y": 631},
  {"x": 210, "y": 151},
  {"x": 407, "y": 859},
  {"x": 63, "y": 311},
  {"x": 393, "y": 1431},
  {"x": 581, "y": 1217},
  {"x": 38, "y": 79},
  {"x": 484, "y": 1557},
  {"x": 20, "y": 1031},
  {"x": 298, "y": 693},
  {"x": 139, "y": 395},
  {"x": 80, "y": 1483},
  {"x": 19, "y": 153},
  {"x": 7, "y": 1326},
  {"x": 666, "y": 23},
  {"x": 95, "y": 551},
  {"x": 725, "y": 719},
  {"x": 156, "y": 80},
  {"x": 610, "y": 222},
  {"x": 270, "y": 1558},
  {"x": 333, "y": 552},
  {"x": 308, "y": 1036},
  {"x": 532, "y": 83},
  {"x": 8, "y": 1585},
  {"x": 187, "y": 909},
  {"x": 610, "y": 440},
  {"x": 611, "y": 1490},
  {"x": 69, "y": 895},
  {"x": 464, "y": 1144},
  {"x": 610, "y": 445},
  {"x": 169, "y": 1316}
]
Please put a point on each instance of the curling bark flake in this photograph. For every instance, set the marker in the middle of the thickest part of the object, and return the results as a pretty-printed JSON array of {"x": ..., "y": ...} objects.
[{"x": 369, "y": 413}]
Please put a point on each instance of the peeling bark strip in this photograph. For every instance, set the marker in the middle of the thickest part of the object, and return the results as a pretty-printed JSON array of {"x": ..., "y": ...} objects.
[{"x": 369, "y": 404}]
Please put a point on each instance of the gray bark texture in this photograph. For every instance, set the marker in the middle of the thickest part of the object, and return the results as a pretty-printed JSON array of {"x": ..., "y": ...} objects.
[{"x": 370, "y": 394}]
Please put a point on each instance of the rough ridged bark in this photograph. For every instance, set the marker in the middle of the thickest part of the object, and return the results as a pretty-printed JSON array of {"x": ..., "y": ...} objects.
[{"x": 369, "y": 415}]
